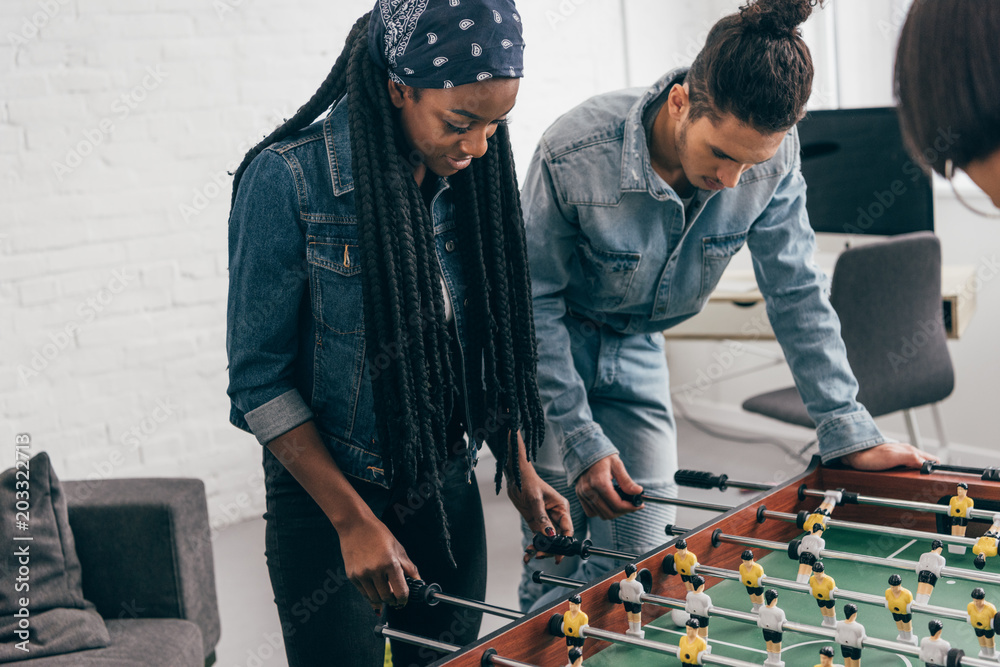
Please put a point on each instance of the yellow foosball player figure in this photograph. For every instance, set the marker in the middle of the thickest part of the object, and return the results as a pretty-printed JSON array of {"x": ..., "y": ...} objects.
[
  {"x": 572, "y": 621},
  {"x": 826, "y": 657},
  {"x": 686, "y": 563},
  {"x": 691, "y": 645},
  {"x": 928, "y": 570},
  {"x": 822, "y": 513},
  {"x": 958, "y": 509},
  {"x": 822, "y": 585},
  {"x": 986, "y": 546},
  {"x": 851, "y": 636},
  {"x": 981, "y": 615},
  {"x": 752, "y": 574},
  {"x": 575, "y": 658},
  {"x": 933, "y": 649},
  {"x": 630, "y": 592},
  {"x": 898, "y": 601}
]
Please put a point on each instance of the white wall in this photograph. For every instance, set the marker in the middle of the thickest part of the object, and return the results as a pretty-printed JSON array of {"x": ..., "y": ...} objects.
[{"x": 118, "y": 121}]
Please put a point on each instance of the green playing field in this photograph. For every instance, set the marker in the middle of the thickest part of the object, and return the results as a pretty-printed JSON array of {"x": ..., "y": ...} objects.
[{"x": 745, "y": 641}]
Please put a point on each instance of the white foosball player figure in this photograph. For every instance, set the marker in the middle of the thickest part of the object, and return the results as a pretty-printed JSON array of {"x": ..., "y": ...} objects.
[
  {"x": 810, "y": 550},
  {"x": 928, "y": 570},
  {"x": 850, "y": 635},
  {"x": 630, "y": 592},
  {"x": 771, "y": 620},
  {"x": 698, "y": 603},
  {"x": 933, "y": 649}
]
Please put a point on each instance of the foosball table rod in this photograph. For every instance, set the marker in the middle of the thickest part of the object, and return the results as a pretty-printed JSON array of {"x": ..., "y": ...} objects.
[
  {"x": 838, "y": 593},
  {"x": 983, "y": 577},
  {"x": 706, "y": 480},
  {"x": 432, "y": 595},
  {"x": 587, "y": 631},
  {"x": 490, "y": 656},
  {"x": 799, "y": 519}
]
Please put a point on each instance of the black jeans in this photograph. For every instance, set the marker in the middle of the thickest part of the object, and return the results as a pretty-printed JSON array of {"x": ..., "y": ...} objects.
[{"x": 324, "y": 619}]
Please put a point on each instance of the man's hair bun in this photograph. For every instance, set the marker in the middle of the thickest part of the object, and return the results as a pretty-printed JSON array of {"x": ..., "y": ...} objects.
[{"x": 778, "y": 18}]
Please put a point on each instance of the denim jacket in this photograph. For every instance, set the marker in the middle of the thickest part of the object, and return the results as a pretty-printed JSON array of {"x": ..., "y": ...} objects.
[
  {"x": 295, "y": 323},
  {"x": 609, "y": 240}
]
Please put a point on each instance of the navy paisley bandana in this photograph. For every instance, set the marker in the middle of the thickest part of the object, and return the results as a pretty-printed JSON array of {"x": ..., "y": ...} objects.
[{"x": 446, "y": 43}]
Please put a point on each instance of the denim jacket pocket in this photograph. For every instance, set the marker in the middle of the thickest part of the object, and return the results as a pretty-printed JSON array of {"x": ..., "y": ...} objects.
[
  {"x": 608, "y": 274},
  {"x": 717, "y": 251},
  {"x": 342, "y": 390},
  {"x": 335, "y": 282}
]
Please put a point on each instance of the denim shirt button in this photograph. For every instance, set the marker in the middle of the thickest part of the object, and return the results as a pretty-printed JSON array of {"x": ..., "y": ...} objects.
[
  {"x": 466, "y": 303},
  {"x": 660, "y": 310},
  {"x": 449, "y": 246}
]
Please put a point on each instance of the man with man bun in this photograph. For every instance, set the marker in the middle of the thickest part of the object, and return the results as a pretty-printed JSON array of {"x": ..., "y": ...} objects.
[{"x": 632, "y": 213}]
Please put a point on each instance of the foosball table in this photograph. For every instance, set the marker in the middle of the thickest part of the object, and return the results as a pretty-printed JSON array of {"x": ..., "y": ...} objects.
[{"x": 889, "y": 568}]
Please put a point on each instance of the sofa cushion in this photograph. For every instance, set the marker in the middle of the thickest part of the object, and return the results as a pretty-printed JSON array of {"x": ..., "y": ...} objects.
[
  {"x": 45, "y": 606},
  {"x": 138, "y": 642}
]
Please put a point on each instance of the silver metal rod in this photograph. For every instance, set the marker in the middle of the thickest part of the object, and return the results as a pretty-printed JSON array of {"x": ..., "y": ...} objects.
[
  {"x": 506, "y": 662},
  {"x": 838, "y": 593},
  {"x": 609, "y": 553},
  {"x": 907, "y": 504},
  {"x": 971, "y": 661},
  {"x": 680, "y": 502},
  {"x": 417, "y": 640},
  {"x": 659, "y": 647},
  {"x": 540, "y": 577},
  {"x": 789, "y": 626},
  {"x": 880, "y": 530},
  {"x": 967, "y": 575},
  {"x": 478, "y": 606}
]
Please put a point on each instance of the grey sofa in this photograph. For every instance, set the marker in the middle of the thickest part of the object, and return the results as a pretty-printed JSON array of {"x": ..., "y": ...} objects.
[{"x": 145, "y": 552}]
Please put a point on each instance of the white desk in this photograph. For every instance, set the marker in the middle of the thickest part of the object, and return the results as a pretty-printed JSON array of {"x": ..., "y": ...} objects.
[{"x": 735, "y": 310}]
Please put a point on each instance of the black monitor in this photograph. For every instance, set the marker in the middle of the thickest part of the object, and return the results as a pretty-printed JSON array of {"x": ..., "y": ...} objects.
[{"x": 860, "y": 178}]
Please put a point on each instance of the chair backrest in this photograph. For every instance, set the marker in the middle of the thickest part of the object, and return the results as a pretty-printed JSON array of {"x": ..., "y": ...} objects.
[{"x": 888, "y": 297}]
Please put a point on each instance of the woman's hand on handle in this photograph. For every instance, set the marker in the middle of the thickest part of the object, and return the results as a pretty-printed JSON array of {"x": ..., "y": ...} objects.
[{"x": 375, "y": 561}]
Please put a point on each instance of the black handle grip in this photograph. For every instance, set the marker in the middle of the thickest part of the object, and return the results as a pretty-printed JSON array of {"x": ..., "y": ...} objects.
[
  {"x": 559, "y": 545},
  {"x": 700, "y": 480},
  {"x": 636, "y": 499}
]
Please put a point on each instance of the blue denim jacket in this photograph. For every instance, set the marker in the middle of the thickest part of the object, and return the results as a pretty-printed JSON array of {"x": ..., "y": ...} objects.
[
  {"x": 608, "y": 240},
  {"x": 295, "y": 323}
]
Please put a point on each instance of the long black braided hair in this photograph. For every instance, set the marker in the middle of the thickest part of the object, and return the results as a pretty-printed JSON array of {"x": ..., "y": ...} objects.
[{"x": 403, "y": 300}]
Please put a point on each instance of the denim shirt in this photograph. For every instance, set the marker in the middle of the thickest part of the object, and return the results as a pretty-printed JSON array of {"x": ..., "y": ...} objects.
[
  {"x": 295, "y": 322},
  {"x": 610, "y": 241}
]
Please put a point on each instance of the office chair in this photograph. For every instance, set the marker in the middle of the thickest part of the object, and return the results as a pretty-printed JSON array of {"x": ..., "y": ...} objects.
[{"x": 888, "y": 297}]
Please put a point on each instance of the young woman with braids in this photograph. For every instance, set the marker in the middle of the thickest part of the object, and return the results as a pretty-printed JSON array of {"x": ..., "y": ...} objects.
[
  {"x": 629, "y": 233},
  {"x": 379, "y": 312}
]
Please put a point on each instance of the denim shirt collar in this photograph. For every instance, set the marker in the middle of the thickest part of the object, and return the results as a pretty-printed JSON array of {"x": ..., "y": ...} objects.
[
  {"x": 337, "y": 134},
  {"x": 637, "y": 165}
]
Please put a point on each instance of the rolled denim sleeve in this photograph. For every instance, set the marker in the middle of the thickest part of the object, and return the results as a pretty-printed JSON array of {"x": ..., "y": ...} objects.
[
  {"x": 796, "y": 292},
  {"x": 552, "y": 231},
  {"x": 267, "y": 281}
]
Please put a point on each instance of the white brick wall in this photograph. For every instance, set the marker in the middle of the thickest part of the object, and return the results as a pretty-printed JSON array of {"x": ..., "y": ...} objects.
[{"x": 118, "y": 120}]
